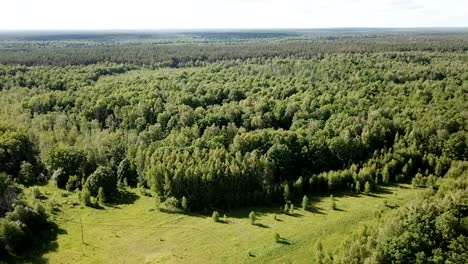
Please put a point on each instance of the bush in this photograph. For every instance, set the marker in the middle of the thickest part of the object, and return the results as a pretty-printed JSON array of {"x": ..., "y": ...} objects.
[
  {"x": 305, "y": 202},
  {"x": 252, "y": 217},
  {"x": 73, "y": 183},
  {"x": 184, "y": 204},
  {"x": 215, "y": 216},
  {"x": 103, "y": 177},
  {"x": 170, "y": 205},
  {"x": 26, "y": 173},
  {"x": 86, "y": 197}
]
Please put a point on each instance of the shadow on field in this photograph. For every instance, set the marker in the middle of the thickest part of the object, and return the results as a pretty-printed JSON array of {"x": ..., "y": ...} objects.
[
  {"x": 48, "y": 244},
  {"x": 261, "y": 225},
  {"x": 284, "y": 241},
  {"x": 124, "y": 197}
]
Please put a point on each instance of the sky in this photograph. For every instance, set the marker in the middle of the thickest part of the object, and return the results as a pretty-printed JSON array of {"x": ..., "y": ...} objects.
[{"x": 229, "y": 14}]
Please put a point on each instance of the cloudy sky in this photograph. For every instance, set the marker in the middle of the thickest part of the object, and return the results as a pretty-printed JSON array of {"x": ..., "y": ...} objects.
[{"x": 188, "y": 14}]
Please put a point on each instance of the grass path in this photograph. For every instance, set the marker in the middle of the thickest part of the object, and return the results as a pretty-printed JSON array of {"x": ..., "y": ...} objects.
[{"x": 136, "y": 233}]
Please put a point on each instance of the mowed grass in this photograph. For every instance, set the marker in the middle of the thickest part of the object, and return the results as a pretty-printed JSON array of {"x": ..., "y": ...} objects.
[{"x": 134, "y": 232}]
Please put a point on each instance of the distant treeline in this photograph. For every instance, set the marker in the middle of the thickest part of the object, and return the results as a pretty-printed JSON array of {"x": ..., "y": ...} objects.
[{"x": 200, "y": 48}]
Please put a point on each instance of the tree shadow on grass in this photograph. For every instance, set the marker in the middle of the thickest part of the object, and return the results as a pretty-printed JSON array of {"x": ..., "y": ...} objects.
[
  {"x": 284, "y": 241},
  {"x": 124, "y": 197},
  {"x": 48, "y": 243},
  {"x": 261, "y": 225},
  {"x": 315, "y": 210}
]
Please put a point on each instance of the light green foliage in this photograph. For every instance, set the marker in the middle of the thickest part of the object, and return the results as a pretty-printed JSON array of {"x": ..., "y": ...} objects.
[
  {"x": 215, "y": 216},
  {"x": 86, "y": 197},
  {"x": 358, "y": 187},
  {"x": 305, "y": 202},
  {"x": 252, "y": 217},
  {"x": 26, "y": 173},
  {"x": 367, "y": 188},
  {"x": 184, "y": 204}
]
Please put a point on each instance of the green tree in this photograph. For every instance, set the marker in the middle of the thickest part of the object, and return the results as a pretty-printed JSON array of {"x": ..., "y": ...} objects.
[
  {"x": 358, "y": 187},
  {"x": 367, "y": 188},
  {"x": 26, "y": 173}
]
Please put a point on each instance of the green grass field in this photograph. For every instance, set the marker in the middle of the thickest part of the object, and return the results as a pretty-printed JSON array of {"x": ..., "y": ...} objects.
[{"x": 134, "y": 232}]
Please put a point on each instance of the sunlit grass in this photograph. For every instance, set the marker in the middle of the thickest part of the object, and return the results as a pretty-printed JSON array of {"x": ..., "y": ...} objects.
[{"x": 137, "y": 233}]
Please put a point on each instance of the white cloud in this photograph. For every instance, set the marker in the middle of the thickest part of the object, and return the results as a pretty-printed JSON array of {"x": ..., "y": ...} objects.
[{"x": 176, "y": 14}]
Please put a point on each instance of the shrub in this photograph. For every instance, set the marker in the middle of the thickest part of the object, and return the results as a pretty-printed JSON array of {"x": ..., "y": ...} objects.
[
  {"x": 86, "y": 197},
  {"x": 103, "y": 177},
  {"x": 215, "y": 216},
  {"x": 184, "y": 204},
  {"x": 26, "y": 174},
  {"x": 170, "y": 205},
  {"x": 305, "y": 202},
  {"x": 73, "y": 183},
  {"x": 252, "y": 217},
  {"x": 291, "y": 209}
]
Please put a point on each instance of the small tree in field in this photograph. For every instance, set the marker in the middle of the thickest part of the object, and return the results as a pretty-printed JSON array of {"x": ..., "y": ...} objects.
[
  {"x": 305, "y": 202},
  {"x": 215, "y": 216},
  {"x": 252, "y": 217},
  {"x": 184, "y": 204},
  {"x": 332, "y": 202},
  {"x": 86, "y": 197},
  {"x": 286, "y": 208},
  {"x": 358, "y": 187},
  {"x": 101, "y": 196},
  {"x": 367, "y": 188}
]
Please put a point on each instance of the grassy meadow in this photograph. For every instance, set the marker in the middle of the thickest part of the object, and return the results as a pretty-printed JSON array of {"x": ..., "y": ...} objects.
[{"x": 134, "y": 231}]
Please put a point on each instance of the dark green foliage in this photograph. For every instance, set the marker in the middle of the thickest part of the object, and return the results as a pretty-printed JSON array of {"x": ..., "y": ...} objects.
[
  {"x": 15, "y": 149},
  {"x": 69, "y": 160},
  {"x": 7, "y": 194},
  {"x": 26, "y": 173},
  {"x": 103, "y": 177},
  {"x": 126, "y": 174},
  {"x": 233, "y": 125},
  {"x": 101, "y": 196},
  {"x": 23, "y": 228}
]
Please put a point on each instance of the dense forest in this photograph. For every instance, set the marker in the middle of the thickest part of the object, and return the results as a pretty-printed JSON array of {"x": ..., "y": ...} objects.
[{"x": 216, "y": 121}]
